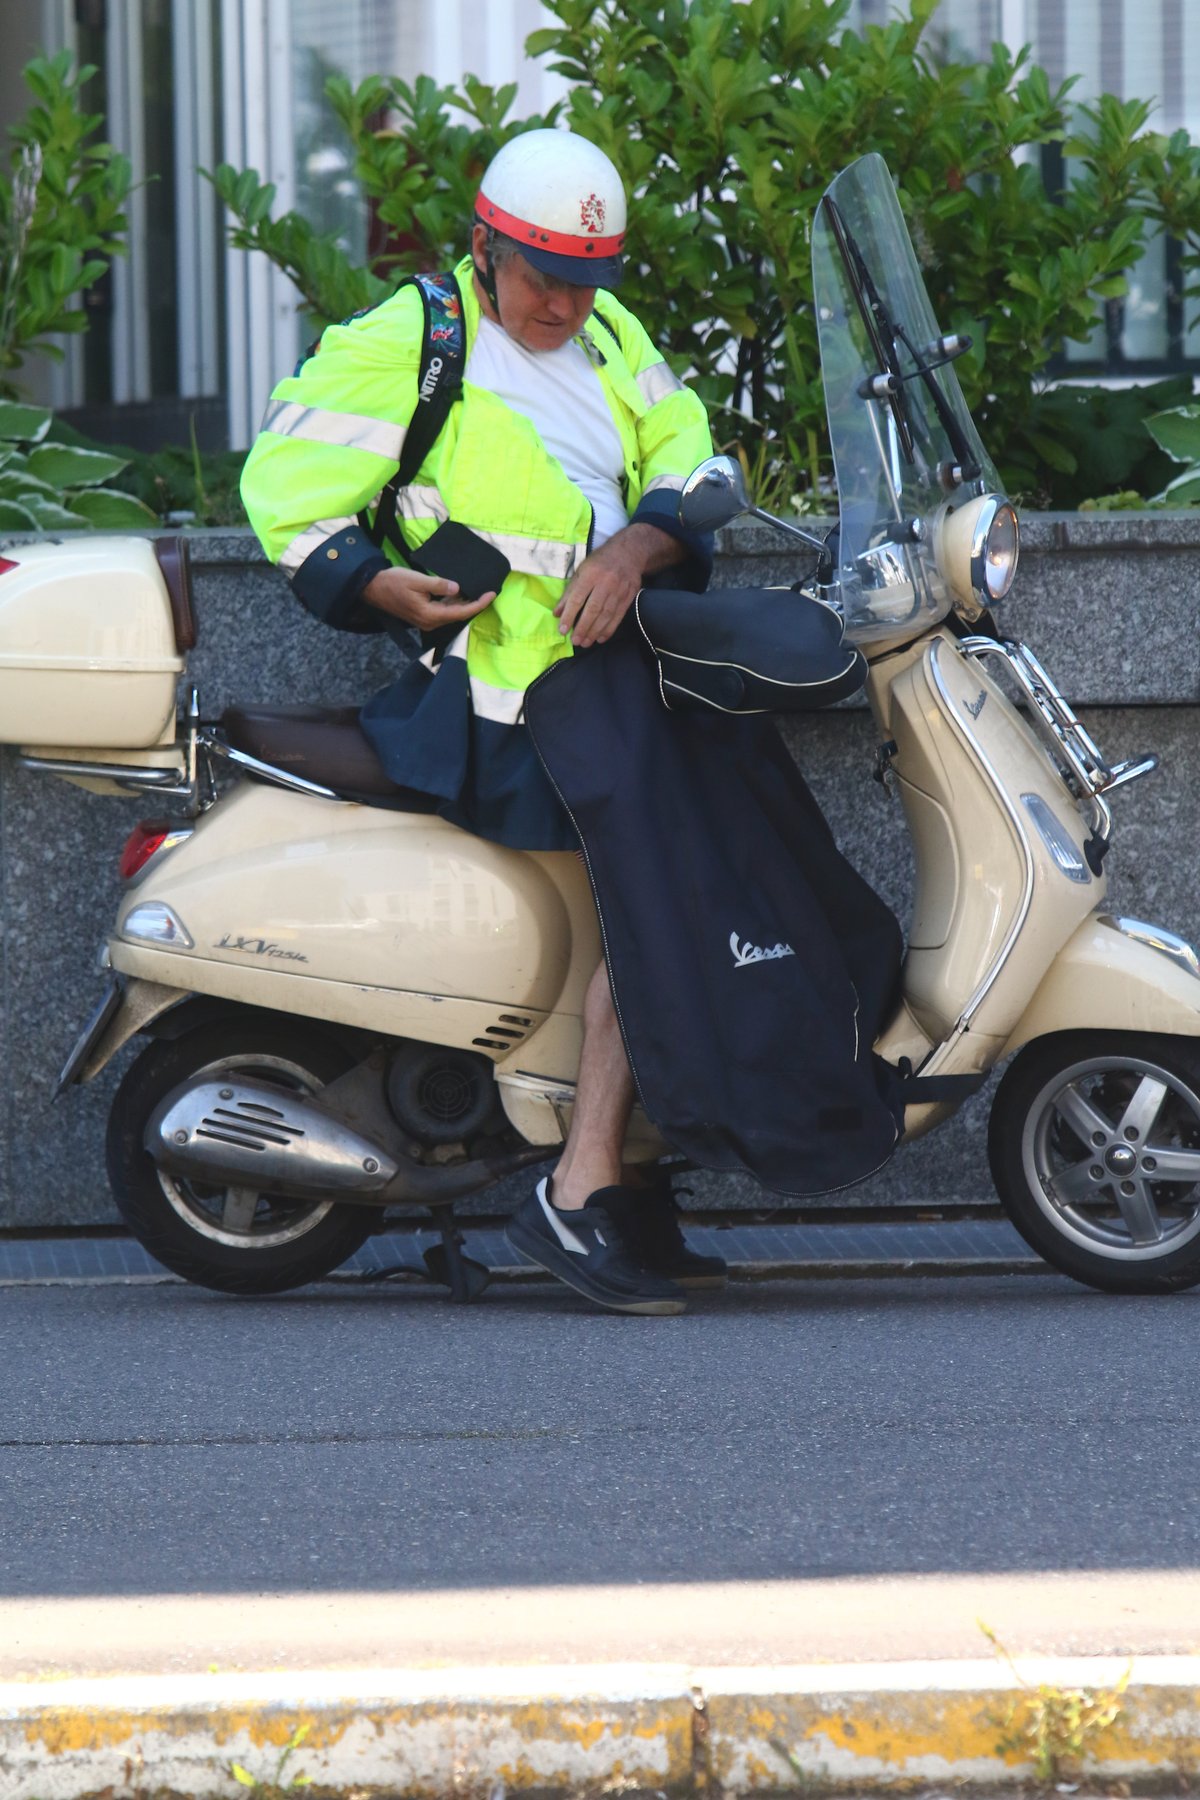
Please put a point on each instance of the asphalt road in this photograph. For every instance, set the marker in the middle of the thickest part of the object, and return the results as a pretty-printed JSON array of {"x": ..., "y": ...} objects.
[{"x": 335, "y": 1450}]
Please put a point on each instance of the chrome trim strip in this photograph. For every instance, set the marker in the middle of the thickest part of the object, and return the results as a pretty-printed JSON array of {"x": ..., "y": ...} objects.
[
  {"x": 1155, "y": 938},
  {"x": 123, "y": 774},
  {"x": 278, "y": 777},
  {"x": 972, "y": 1006}
]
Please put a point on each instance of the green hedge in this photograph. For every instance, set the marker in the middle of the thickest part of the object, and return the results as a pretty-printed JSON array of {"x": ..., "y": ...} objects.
[{"x": 727, "y": 122}]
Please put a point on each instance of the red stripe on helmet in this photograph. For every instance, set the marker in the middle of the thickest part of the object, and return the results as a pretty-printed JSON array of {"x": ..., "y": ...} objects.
[{"x": 562, "y": 243}]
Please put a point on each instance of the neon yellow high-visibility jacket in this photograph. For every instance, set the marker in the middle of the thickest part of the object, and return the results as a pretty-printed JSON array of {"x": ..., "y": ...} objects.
[{"x": 330, "y": 441}]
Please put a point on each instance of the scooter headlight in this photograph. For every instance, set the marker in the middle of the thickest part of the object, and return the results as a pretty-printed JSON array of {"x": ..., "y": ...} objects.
[{"x": 977, "y": 545}]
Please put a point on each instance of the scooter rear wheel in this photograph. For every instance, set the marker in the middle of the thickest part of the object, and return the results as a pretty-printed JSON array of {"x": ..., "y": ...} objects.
[
  {"x": 235, "y": 1240},
  {"x": 1094, "y": 1144}
]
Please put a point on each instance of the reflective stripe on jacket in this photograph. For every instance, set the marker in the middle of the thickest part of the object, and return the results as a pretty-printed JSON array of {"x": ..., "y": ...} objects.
[{"x": 332, "y": 436}]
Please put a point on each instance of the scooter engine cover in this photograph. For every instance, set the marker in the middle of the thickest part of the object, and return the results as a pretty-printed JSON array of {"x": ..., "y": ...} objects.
[
  {"x": 441, "y": 1095},
  {"x": 748, "y": 650}
]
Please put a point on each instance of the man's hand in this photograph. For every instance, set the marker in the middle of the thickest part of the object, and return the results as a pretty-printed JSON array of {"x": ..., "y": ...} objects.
[
  {"x": 606, "y": 583},
  {"x": 425, "y": 601}
]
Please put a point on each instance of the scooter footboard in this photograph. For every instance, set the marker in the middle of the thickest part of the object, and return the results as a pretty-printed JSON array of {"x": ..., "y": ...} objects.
[{"x": 1115, "y": 974}]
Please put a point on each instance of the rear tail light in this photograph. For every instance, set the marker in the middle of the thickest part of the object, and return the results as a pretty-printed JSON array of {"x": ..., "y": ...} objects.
[
  {"x": 6, "y": 563},
  {"x": 147, "y": 838}
]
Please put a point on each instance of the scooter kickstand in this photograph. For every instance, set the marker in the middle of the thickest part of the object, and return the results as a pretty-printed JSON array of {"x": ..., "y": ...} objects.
[{"x": 446, "y": 1263}]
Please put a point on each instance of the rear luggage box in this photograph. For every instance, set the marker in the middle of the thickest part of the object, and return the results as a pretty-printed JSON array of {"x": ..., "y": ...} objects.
[{"x": 90, "y": 654}]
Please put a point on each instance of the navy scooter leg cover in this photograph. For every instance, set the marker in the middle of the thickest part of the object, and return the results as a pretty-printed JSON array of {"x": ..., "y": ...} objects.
[{"x": 750, "y": 964}]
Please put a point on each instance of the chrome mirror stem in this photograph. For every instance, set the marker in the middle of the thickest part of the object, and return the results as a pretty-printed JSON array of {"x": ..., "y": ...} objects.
[{"x": 816, "y": 543}]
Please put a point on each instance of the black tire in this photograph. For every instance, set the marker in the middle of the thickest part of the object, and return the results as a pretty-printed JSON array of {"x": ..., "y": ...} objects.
[
  {"x": 1094, "y": 1145},
  {"x": 288, "y": 1242}
]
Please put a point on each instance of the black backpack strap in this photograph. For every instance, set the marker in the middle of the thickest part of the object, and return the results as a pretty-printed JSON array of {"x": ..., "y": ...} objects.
[
  {"x": 610, "y": 328},
  {"x": 439, "y": 385}
]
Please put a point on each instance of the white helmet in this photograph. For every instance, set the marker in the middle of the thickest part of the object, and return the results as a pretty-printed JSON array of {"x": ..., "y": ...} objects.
[{"x": 561, "y": 200}]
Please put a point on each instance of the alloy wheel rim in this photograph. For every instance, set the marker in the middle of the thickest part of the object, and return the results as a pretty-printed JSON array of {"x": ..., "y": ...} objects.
[
  {"x": 245, "y": 1218},
  {"x": 1111, "y": 1154}
]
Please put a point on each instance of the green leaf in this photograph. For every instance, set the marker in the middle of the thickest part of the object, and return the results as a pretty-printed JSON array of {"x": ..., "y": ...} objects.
[
  {"x": 1183, "y": 491},
  {"x": 53, "y": 517},
  {"x": 65, "y": 466},
  {"x": 1177, "y": 431},
  {"x": 63, "y": 265},
  {"x": 245, "y": 188},
  {"x": 1052, "y": 452},
  {"x": 261, "y": 204},
  {"x": 19, "y": 484},
  {"x": 108, "y": 510},
  {"x": 242, "y": 1776},
  {"x": 28, "y": 424},
  {"x": 14, "y": 517}
]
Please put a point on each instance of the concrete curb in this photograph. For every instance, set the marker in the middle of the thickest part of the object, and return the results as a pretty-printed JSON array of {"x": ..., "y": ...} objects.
[{"x": 580, "y": 1731}]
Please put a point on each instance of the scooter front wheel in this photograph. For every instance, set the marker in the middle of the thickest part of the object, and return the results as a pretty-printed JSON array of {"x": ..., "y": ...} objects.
[
  {"x": 1094, "y": 1144},
  {"x": 236, "y": 1240}
]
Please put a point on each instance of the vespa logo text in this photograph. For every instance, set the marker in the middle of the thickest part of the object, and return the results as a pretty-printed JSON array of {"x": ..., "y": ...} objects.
[
  {"x": 257, "y": 946},
  {"x": 747, "y": 953},
  {"x": 975, "y": 707},
  {"x": 431, "y": 377}
]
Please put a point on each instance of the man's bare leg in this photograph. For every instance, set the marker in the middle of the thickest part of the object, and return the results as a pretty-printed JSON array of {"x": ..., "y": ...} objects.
[
  {"x": 636, "y": 1263},
  {"x": 603, "y": 1102}
]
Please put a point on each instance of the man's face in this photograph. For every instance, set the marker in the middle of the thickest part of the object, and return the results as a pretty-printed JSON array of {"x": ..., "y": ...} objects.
[{"x": 537, "y": 311}]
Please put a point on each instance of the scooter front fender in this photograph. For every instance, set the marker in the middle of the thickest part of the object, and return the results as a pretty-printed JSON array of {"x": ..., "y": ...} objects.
[{"x": 1115, "y": 974}]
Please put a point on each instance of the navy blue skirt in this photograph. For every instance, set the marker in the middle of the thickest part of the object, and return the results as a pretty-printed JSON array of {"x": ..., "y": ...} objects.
[{"x": 485, "y": 776}]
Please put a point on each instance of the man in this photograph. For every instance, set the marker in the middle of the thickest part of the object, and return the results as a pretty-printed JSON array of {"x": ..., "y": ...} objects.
[{"x": 566, "y": 452}]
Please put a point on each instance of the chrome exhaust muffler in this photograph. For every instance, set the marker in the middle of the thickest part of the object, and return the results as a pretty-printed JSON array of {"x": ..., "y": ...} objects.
[
  {"x": 239, "y": 1132},
  {"x": 249, "y": 1134}
]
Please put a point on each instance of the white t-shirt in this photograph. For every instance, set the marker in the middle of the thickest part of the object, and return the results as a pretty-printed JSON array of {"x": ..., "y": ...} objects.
[{"x": 559, "y": 392}]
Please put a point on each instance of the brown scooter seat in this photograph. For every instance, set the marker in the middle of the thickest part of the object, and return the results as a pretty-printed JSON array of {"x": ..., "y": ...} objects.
[{"x": 323, "y": 744}]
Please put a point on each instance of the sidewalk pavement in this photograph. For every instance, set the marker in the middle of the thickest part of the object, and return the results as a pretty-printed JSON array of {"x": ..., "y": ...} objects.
[
  {"x": 908, "y": 1241},
  {"x": 695, "y": 1689}
]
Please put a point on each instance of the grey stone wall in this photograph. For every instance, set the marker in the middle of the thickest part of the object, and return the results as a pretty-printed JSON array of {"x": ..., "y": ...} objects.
[{"x": 1109, "y": 603}]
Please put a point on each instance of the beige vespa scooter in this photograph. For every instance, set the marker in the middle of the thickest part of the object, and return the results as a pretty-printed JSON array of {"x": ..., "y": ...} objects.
[{"x": 347, "y": 1007}]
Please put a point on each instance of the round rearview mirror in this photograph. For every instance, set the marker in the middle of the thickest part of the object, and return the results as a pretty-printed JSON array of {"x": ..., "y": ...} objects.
[{"x": 713, "y": 494}]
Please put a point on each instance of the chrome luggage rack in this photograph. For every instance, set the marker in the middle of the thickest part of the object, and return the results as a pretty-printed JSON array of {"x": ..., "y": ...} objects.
[
  {"x": 195, "y": 783},
  {"x": 1087, "y": 775}
]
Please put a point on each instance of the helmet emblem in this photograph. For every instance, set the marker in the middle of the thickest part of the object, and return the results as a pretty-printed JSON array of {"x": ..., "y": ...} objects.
[{"x": 591, "y": 213}]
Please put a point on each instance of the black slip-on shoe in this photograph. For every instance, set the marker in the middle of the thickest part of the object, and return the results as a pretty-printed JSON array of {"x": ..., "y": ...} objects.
[
  {"x": 588, "y": 1249},
  {"x": 650, "y": 1218}
]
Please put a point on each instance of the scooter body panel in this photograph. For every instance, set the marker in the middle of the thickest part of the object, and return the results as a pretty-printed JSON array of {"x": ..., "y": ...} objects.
[
  {"x": 993, "y": 905},
  {"x": 394, "y": 921}
]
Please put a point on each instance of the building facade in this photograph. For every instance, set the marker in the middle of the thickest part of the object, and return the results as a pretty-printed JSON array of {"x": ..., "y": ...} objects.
[{"x": 187, "y": 333}]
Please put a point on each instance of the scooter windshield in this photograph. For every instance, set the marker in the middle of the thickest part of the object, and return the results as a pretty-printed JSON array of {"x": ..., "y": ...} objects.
[{"x": 903, "y": 439}]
